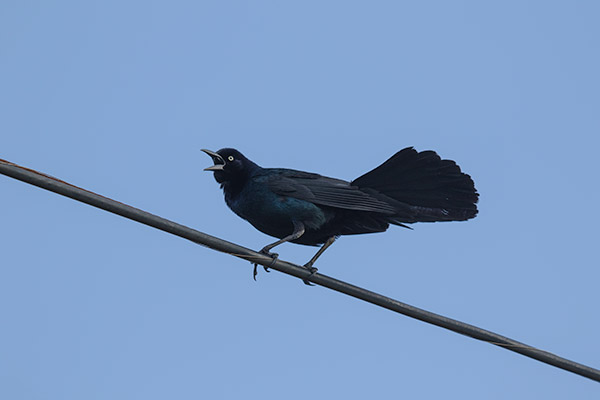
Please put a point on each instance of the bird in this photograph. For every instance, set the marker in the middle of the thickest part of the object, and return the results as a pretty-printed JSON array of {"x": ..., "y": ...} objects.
[{"x": 311, "y": 209}]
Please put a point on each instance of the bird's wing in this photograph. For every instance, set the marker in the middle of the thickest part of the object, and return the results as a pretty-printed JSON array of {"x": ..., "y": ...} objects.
[{"x": 324, "y": 191}]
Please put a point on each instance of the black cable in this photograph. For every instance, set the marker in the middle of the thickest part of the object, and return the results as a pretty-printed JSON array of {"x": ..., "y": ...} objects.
[{"x": 55, "y": 185}]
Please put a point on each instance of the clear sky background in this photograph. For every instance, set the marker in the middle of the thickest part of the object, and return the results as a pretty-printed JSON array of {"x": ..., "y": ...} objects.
[{"x": 120, "y": 96}]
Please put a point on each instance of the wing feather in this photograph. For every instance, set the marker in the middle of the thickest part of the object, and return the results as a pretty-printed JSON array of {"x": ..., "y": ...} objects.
[{"x": 325, "y": 191}]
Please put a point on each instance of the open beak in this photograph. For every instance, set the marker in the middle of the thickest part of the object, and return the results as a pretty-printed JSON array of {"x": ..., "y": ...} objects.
[{"x": 217, "y": 159}]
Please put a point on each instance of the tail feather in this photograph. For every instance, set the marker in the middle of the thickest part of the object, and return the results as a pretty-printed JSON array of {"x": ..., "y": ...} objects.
[{"x": 434, "y": 189}]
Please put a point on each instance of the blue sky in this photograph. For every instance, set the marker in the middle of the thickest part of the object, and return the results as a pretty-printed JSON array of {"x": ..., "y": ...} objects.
[{"x": 119, "y": 98}]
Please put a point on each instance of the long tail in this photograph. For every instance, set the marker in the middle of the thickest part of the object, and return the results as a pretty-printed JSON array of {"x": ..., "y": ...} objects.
[{"x": 429, "y": 189}]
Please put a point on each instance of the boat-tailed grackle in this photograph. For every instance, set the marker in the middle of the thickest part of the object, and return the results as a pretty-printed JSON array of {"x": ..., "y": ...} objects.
[{"x": 311, "y": 209}]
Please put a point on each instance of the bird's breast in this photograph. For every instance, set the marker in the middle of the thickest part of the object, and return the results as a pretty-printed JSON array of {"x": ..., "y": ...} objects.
[{"x": 274, "y": 214}]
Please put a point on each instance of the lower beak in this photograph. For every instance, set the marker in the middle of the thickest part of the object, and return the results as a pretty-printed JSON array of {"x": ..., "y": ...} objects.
[
  {"x": 217, "y": 159},
  {"x": 217, "y": 167}
]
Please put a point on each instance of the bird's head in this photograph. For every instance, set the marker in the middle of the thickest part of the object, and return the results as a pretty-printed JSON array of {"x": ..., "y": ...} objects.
[{"x": 230, "y": 165}]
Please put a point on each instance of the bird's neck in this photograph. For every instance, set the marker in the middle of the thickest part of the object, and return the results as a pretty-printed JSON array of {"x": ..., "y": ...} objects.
[{"x": 234, "y": 186}]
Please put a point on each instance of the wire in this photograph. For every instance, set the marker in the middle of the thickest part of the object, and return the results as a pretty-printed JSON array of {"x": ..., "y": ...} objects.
[{"x": 66, "y": 189}]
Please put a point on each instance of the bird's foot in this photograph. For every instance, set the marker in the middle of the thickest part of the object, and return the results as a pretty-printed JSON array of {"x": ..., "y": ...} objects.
[
  {"x": 312, "y": 271},
  {"x": 266, "y": 252}
]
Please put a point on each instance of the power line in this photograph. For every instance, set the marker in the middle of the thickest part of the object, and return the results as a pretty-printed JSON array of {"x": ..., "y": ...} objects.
[{"x": 66, "y": 189}]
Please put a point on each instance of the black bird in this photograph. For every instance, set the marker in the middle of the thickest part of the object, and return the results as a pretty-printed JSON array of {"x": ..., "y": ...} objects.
[{"x": 311, "y": 209}]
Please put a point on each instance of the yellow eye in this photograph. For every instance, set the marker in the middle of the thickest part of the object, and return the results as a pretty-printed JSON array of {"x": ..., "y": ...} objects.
[{"x": 230, "y": 158}]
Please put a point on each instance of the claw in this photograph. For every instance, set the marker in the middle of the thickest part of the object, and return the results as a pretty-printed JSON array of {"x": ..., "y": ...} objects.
[
  {"x": 312, "y": 271},
  {"x": 266, "y": 252}
]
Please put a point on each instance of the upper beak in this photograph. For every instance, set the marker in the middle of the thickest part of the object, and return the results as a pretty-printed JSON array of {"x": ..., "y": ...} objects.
[{"x": 217, "y": 159}]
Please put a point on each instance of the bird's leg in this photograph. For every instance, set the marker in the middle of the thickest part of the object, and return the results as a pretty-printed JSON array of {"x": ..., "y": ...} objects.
[
  {"x": 309, "y": 265},
  {"x": 298, "y": 231}
]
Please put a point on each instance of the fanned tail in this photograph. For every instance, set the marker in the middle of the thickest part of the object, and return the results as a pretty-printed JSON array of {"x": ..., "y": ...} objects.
[{"x": 429, "y": 189}]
